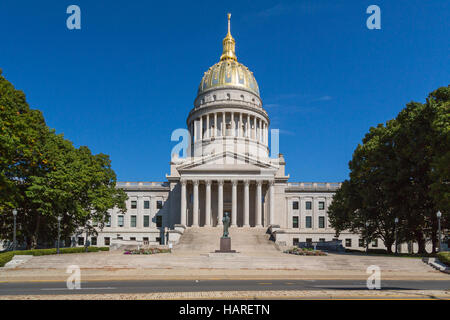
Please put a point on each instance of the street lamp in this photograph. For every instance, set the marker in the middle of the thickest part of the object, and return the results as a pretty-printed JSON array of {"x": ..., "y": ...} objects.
[
  {"x": 59, "y": 227},
  {"x": 439, "y": 215},
  {"x": 367, "y": 237},
  {"x": 396, "y": 241},
  {"x": 14, "y": 234}
]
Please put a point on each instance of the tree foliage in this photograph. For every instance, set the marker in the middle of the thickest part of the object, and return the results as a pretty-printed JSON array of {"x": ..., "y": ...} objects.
[
  {"x": 44, "y": 176},
  {"x": 401, "y": 170}
]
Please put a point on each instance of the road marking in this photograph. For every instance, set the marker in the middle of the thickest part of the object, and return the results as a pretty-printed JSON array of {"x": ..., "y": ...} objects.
[{"x": 62, "y": 289}]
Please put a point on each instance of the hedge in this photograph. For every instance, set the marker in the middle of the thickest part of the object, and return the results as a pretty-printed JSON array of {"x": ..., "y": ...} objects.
[
  {"x": 444, "y": 257},
  {"x": 7, "y": 256}
]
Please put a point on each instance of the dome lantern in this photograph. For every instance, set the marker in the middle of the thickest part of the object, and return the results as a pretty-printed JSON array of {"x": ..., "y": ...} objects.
[{"x": 228, "y": 71}]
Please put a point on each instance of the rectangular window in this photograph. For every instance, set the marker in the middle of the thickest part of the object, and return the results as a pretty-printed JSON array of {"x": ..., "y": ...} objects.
[
  {"x": 146, "y": 204},
  {"x": 308, "y": 205},
  {"x": 158, "y": 221},
  {"x": 361, "y": 243},
  {"x": 375, "y": 243},
  {"x": 146, "y": 221},
  {"x": 309, "y": 240},
  {"x": 107, "y": 241},
  {"x": 321, "y": 205},
  {"x": 159, "y": 204},
  {"x": 294, "y": 222},
  {"x": 321, "y": 239},
  {"x": 120, "y": 221},
  {"x": 348, "y": 242},
  {"x": 80, "y": 241},
  {"x": 295, "y": 205},
  {"x": 108, "y": 220},
  {"x": 295, "y": 242},
  {"x": 321, "y": 222},
  {"x": 145, "y": 239},
  {"x": 308, "y": 222},
  {"x": 158, "y": 239},
  {"x": 133, "y": 221},
  {"x": 133, "y": 204},
  {"x": 133, "y": 238},
  {"x": 94, "y": 241}
]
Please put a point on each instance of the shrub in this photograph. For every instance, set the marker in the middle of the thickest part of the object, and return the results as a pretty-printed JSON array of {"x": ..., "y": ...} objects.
[
  {"x": 444, "y": 257},
  {"x": 7, "y": 256},
  {"x": 148, "y": 251}
]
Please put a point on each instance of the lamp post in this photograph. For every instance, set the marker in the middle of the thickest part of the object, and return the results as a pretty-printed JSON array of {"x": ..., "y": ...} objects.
[
  {"x": 14, "y": 233},
  {"x": 439, "y": 214},
  {"x": 367, "y": 237},
  {"x": 396, "y": 243},
  {"x": 59, "y": 233}
]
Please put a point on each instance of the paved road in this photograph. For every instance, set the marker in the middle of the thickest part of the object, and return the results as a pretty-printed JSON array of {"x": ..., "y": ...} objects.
[{"x": 149, "y": 286}]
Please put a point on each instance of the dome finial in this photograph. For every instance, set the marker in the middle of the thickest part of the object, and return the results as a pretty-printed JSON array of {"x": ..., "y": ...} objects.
[{"x": 228, "y": 44}]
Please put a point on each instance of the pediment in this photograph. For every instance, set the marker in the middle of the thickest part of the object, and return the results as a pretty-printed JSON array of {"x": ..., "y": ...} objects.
[{"x": 226, "y": 161}]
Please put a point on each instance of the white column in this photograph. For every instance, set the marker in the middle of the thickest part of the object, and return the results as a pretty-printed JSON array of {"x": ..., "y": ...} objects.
[
  {"x": 215, "y": 124},
  {"x": 224, "y": 127},
  {"x": 220, "y": 203},
  {"x": 246, "y": 204},
  {"x": 201, "y": 127},
  {"x": 272, "y": 202},
  {"x": 152, "y": 212},
  {"x": 240, "y": 134},
  {"x": 183, "y": 203},
  {"x": 139, "y": 215},
  {"x": 254, "y": 131},
  {"x": 248, "y": 126},
  {"x": 313, "y": 213},
  {"x": 195, "y": 213},
  {"x": 208, "y": 204},
  {"x": 195, "y": 130},
  {"x": 233, "y": 127},
  {"x": 258, "y": 203},
  {"x": 234, "y": 203},
  {"x": 208, "y": 132}
]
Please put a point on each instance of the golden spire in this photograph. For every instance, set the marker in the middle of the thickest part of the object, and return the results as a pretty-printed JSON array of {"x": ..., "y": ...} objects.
[{"x": 228, "y": 45}]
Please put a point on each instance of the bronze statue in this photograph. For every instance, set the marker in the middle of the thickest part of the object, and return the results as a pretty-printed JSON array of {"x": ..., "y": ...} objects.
[{"x": 226, "y": 224}]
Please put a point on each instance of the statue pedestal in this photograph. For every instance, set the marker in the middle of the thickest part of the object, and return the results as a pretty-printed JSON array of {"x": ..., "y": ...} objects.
[{"x": 225, "y": 246}]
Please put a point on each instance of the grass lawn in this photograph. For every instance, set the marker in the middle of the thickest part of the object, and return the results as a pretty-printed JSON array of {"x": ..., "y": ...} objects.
[{"x": 5, "y": 257}]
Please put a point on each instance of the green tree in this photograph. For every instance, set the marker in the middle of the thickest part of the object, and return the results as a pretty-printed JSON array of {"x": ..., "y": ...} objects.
[
  {"x": 401, "y": 170},
  {"x": 44, "y": 176}
]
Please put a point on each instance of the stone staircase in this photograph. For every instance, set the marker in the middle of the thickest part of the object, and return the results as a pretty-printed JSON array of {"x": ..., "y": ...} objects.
[{"x": 243, "y": 240}]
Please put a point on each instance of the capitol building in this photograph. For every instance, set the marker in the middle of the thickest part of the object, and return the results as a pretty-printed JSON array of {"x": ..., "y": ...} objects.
[{"x": 226, "y": 168}]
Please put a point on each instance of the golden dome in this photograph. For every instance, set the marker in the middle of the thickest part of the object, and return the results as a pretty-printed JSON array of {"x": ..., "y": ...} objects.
[{"x": 228, "y": 71}]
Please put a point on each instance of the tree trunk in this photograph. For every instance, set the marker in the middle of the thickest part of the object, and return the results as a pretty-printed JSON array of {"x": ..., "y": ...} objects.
[
  {"x": 34, "y": 236},
  {"x": 421, "y": 243},
  {"x": 434, "y": 241},
  {"x": 388, "y": 245}
]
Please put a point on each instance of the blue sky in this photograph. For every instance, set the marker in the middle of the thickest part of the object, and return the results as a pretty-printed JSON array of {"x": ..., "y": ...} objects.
[{"x": 128, "y": 78}]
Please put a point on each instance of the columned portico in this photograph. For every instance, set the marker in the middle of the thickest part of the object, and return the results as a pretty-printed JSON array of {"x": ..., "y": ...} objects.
[{"x": 246, "y": 206}]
